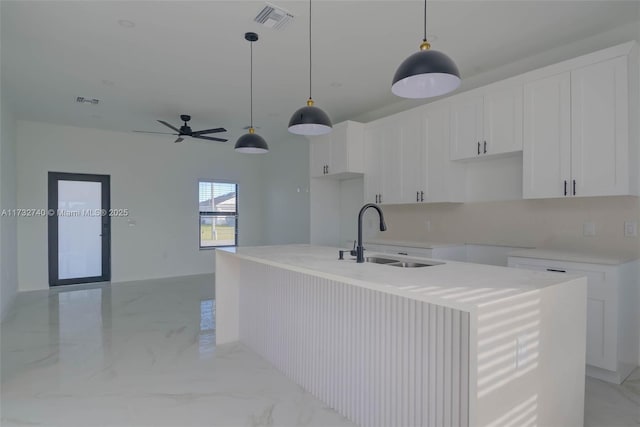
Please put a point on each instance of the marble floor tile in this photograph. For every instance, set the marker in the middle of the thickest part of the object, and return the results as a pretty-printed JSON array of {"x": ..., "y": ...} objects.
[
  {"x": 144, "y": 354},
  {"x": 139, "y": 354}
]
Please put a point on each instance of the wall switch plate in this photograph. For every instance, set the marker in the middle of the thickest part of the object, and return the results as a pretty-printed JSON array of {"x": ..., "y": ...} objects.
[
  {"x": 589, "y": 229},
  {"x": 630, "y": 229}
]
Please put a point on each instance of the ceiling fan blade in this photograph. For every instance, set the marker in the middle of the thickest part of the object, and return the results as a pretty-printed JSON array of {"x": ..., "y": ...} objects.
[
  {"x": 202, "y": 132},
  {"x": 169, "y": 126},
  {"x": 210, "y": 138},
  {"x": 161, "y": 133},
  {"x": 180, "y": 139}
]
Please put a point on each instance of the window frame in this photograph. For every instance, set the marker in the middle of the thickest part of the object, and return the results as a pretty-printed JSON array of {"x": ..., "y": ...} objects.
[{"x": 217, "y": 214}]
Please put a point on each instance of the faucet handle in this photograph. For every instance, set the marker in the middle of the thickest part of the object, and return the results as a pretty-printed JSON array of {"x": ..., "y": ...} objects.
[{"x": 353, "y": 252}]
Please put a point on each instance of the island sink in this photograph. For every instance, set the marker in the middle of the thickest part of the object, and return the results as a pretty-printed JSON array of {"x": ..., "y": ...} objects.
[{"x": 399, "y": 263}]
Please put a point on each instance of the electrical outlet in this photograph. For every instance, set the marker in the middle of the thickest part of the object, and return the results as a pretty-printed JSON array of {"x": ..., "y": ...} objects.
[
  {"x": 630, "y": 229},
  {"x": 589, "y": 229}
]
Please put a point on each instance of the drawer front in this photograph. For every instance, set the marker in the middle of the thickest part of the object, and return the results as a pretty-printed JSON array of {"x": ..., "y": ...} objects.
[{"x": 602, "y": 302}]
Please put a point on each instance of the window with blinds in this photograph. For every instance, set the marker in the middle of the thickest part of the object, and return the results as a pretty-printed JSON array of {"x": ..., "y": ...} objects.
[{"x": 218, "y": 214}]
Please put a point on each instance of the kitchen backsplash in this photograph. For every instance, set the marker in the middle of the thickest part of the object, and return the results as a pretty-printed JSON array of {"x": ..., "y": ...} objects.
[{"x": 548, "y": 223}]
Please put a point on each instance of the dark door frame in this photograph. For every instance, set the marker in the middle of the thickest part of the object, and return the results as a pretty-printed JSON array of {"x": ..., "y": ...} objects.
[{"x": 54, "y": 177}]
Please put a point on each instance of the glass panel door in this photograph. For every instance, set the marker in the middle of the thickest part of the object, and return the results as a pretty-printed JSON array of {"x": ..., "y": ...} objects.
[{"x": 79, "y": 232}]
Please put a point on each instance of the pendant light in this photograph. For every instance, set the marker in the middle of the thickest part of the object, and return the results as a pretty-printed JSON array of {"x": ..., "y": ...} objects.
[
  {"x": 426, "y": 73},
  {"x": 251, "y": 142},
  {"x": 310, "y": 120}
]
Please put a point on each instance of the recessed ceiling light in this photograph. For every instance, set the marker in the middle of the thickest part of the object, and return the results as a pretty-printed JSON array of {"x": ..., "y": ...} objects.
[{"x": 125, "y": 23}]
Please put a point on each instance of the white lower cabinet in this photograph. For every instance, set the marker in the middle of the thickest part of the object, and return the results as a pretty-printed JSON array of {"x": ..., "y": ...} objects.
[{"x": 612, "y": 339}]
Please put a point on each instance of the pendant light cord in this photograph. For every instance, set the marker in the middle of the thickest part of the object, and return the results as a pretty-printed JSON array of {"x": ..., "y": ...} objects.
[
  {"x": 251, "y": 84},
  {"x": 425, "y": 21},
  {"x": 309, "y": 49}
]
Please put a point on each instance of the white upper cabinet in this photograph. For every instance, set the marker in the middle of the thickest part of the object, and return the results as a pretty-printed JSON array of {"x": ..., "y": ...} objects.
[
  {"x": 414, "y": 158},
  {"x": 443, "y": 180},
  {"x": 407, "y": 158},
  {"x": 383, "y": 173},
  {"x": 599, "y": 129},
  {"x": 487, "y": 123},
  {"x": 547, "y": 137},
  {"x": 576, "y": 140},
  {"x": 338, "y": 154}
]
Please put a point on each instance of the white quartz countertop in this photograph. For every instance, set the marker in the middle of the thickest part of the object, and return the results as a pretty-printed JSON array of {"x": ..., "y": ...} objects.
[
  {"x": 463, "y": 286},
  {"x": 569, "y": 256}
]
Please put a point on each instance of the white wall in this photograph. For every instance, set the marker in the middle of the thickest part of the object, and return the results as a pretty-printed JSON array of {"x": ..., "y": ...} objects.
[
  {"x": 153, "y": 178},
  {"x": 8, "y": 224},
  {"x": 286, "y": 191}
]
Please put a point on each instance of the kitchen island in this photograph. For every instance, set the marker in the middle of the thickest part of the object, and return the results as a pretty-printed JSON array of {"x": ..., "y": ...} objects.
[{"x": 448, "y": 344}]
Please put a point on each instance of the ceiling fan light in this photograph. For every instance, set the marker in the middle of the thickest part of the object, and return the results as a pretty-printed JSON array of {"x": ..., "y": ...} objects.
[
  {"x": 426, "y": 74},
  {"x": 251, "y": 143},
  {"x": 310, "y": 120}
]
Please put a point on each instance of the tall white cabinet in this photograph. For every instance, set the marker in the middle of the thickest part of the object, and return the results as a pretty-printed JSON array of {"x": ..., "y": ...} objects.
[{"x": 576, "y": 132}]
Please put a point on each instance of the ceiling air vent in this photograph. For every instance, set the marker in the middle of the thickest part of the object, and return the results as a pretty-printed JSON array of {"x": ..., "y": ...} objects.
[
  {"x": 83, "y": 100},
  {"x": 274, "y": 17}
]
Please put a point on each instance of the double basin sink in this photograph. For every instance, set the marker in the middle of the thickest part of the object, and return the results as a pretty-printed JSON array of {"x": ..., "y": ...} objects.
[{"x": 399, "y": 263}]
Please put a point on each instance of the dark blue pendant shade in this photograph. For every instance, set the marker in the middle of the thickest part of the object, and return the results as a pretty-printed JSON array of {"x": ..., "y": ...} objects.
[
  {"x": 425, "y": 74},
  {"x": 310, "y": 120},
  {"x": 251, "y": 143}
]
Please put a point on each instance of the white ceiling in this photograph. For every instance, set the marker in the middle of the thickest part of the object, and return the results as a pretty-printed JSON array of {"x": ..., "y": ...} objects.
[{"x": 190, "y": 57}]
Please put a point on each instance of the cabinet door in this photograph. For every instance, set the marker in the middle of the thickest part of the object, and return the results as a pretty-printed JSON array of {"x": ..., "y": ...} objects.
[
  {"x": 319, "y": 154},
  {"x": 391, "y": 178},
  {"x": 443, "y": 179},
  {"x": 602, "y": 321},
  {"x": 413, "y": 158},
  {"x": 599, "y": 133},
  {"x": 373, "y": 144},
  {"x": 339, "y": 156},
  {"x": 547, "y": 137},
  {"x": 503, "y": 120},
  {"x": 466, "y": 128}
]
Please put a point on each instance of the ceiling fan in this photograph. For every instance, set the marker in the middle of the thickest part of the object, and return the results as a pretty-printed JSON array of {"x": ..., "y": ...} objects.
[{"x": 185, "y": 130}]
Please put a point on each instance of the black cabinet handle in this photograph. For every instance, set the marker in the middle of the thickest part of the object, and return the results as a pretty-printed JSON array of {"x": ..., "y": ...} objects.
[
  {"x": 574, "y": 187},
  {"x": 376, "y": 198},
  {"x": 327, "y": 169},
  {"x": 485, "y": 147},
  {"x": 417, "y": 196},
  {"x": 381, "y": 198},
  {"x": 478, "y": 148},
  {"x": 565, "y": 187},
  {"x": 422, "y": 196},
  {"x": 556, "y": 270},
  {"x": 403, "y": 253}
]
